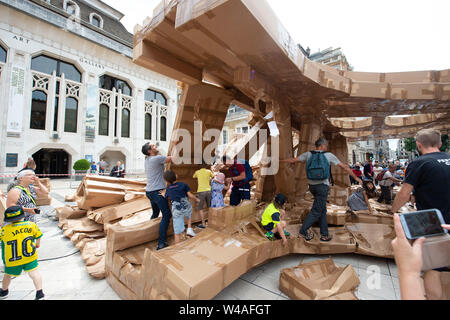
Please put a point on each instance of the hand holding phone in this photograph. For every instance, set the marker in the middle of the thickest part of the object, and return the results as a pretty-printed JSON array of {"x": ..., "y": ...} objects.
[{"x": 425, "y": 223}]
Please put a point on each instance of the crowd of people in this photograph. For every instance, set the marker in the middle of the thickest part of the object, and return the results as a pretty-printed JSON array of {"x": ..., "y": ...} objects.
[
  {"x": 117, "y": 171},
  {"x": 425, "y": 181}
]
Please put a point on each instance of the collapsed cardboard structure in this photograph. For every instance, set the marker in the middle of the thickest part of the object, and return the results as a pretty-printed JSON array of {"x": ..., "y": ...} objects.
[
  {"x": 254, "y": 63},
  {"x": 319, "y": 280},
  {"x": 233, "y": 243},
  {"x": 237, "y": 51},
  {"x": 103, "y": 202}
]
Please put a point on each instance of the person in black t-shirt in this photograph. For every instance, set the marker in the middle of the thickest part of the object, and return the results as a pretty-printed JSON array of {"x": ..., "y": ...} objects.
[{"x": 428, "y": 175}]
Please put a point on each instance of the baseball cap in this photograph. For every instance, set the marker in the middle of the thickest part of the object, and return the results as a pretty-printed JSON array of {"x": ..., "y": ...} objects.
[
  {"x": 14, "y": 213},
  {"x": 146, "y": 148},
  {"x": 280, "y": 199}
]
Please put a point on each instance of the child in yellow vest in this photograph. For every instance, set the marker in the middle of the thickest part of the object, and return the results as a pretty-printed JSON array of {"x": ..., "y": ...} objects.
[
  {"x": 271, "y": 219},
  {"x": 19, "y": 241}
]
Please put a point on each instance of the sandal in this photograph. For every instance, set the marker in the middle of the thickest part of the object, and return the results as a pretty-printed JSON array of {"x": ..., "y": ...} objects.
[
  {"x": 309, "y": 235},
  {"x": 326, "y": 239}
]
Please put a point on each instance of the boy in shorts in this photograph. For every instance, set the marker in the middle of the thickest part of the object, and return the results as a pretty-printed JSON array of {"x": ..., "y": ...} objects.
[
  {"x": 271, "y": 219},
  {"x": 19, "y": 240},
  {"x": 178, "y": 193}
]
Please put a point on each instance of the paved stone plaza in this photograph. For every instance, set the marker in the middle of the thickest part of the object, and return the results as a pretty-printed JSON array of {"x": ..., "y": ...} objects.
[{"x": 65, "y": 276}]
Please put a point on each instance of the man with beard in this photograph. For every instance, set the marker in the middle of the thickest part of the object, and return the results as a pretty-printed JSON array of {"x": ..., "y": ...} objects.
[{"x": 428, "y": 175}]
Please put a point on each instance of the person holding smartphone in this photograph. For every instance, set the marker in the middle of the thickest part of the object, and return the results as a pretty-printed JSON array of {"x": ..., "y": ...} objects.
[
  {"x": 428, "y": 176},
  {"x": 409, "y": 261}
]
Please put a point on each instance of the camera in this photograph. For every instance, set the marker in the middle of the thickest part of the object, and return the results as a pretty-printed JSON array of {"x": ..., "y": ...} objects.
[{"x": 37, "y": 211}]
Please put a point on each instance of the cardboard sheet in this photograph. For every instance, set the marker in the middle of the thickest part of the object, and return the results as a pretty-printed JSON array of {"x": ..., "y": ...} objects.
[
  {"x": 196, "y": 269},
  {"x": 373, "y": 239},
  {"x": 117, "y": 211}
]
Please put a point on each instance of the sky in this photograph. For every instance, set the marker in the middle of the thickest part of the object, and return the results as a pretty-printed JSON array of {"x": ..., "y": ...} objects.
[{"x": 375, "y": 36}]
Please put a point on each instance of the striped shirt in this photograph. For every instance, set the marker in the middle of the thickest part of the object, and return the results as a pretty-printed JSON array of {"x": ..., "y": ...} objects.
[{"x": 26, "y": 202}]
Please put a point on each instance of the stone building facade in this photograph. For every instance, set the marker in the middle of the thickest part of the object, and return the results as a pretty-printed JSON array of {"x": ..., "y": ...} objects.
[{"x": 69, "y": 88}]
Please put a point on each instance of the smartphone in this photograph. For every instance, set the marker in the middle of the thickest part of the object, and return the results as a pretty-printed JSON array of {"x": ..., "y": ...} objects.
[{"x": 425, "y": 223}]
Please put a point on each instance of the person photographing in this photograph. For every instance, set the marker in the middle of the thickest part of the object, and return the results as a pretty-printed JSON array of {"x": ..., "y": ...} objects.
[
  {"x": 27, "y": 188},
  {"x": 154, "y": 170}
]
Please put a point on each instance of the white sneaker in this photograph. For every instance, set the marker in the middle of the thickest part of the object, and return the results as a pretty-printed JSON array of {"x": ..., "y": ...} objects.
[{"x": 190, "y": 232}]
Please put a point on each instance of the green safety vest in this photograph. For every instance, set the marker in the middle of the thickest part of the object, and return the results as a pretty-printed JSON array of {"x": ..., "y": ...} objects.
[
  {"x": 28, "y": 193},
  {"x": 267, "y": 215}
]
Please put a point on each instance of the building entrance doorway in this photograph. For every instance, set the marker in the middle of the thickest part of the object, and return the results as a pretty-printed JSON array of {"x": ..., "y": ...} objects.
[{"x": 52, "y": 161}]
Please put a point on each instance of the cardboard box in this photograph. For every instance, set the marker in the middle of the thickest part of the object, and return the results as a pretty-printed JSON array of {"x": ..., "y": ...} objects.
[
  {"x": 197, "y": 269},
  {"x": 373, "y": 239},
  {"x": 319, "y": 280},
  {"x": 336, "y": 215},
  {"x": 122, "y": 290},
  {"x": 339, "y": 195},
  {"x": 224, "y": 218}
]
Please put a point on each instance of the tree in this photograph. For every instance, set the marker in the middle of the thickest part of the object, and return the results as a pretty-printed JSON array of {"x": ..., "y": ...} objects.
[
  {"x": 445, "y": 143},
  {"x": 410, "y": 144}
]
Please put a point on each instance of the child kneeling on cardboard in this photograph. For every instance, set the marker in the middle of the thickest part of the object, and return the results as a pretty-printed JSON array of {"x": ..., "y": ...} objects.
[
  {"x": 271, "y": 219},
  {"x": 178, "y": 193}
]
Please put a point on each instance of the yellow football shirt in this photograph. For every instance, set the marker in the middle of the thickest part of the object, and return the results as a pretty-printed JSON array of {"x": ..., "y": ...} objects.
[
  {"x": 203, "y": 177},
  {"x": 18, "y": 243}
]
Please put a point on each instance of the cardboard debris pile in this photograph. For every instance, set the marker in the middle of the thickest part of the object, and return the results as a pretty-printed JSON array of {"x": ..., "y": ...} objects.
[
  {"x": 99, "y": 208},
  {"x": 117, "y": 240},
  {"x": 47, "y": 200},
  {"x": 319, "y": 280},
  {"x": 233, "y": 243}
]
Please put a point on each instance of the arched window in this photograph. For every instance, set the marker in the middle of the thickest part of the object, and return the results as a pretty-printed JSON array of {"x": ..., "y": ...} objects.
[
  {"x": 148, "y": 126},
  {"x": 38, "y": 110},
  {"x": 163, "y": 136},
  {"x": 3, "y": 54},
  {"x": 96, "y": 20},
  {"x": 71, "y": 118},
  {"x": 103, "y": 128},
  {"x": 71, "y": 8},
  {"x": 125, "y": 123},
  {"x": 108, "y": 83},
  {"x": 45, "y": 64},
  {"x": 152, "y": 95}
]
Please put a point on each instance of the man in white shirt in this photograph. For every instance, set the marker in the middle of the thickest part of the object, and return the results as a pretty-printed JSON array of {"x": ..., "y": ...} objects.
[{"x": 386, "y": 184}]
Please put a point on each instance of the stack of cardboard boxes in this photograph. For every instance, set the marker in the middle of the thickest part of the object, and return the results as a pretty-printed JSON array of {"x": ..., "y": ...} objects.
[{"x": 103, "y": 202}]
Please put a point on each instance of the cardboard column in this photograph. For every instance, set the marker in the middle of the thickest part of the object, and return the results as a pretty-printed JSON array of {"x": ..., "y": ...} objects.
[
  {"x": 311, "y": 130},
  {"x": 338, "y": 146},
  {"x": 285, "y": 175},
  {"x": 202, "y": 107}
]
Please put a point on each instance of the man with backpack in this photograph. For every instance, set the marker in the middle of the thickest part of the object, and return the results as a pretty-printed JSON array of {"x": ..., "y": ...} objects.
[
  {"x": 318, "y": 173},
  {"x": 241, "y": 175}
]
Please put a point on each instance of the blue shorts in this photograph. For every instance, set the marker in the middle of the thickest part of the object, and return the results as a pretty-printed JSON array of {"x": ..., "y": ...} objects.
[{"x": 180, "y": 210}]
